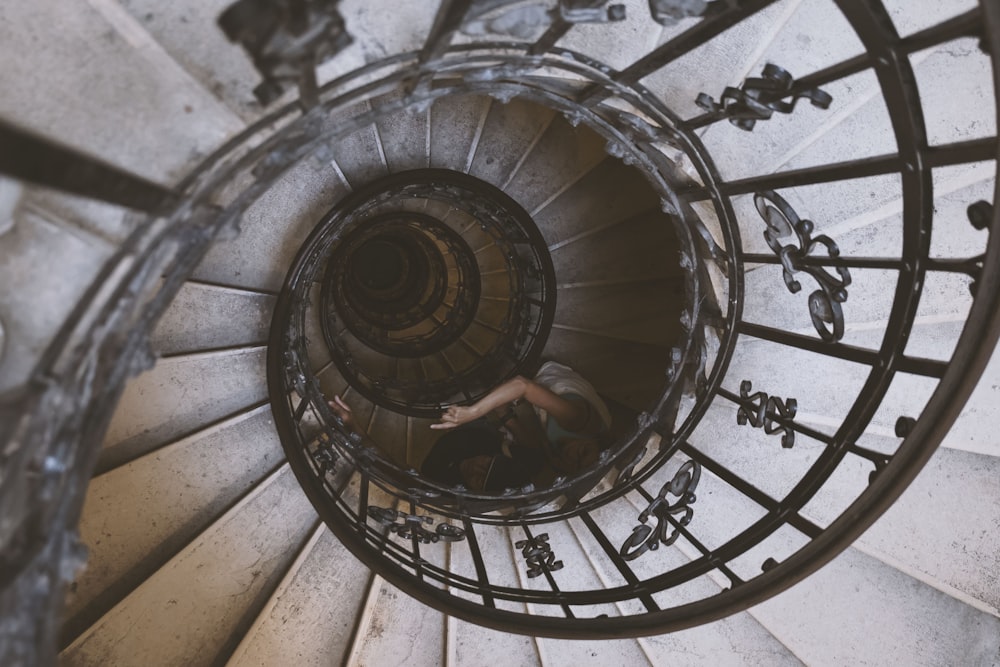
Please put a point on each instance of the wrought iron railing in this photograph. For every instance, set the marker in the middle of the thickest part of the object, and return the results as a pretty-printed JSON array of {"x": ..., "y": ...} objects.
[{"x": 664, "y": 483}]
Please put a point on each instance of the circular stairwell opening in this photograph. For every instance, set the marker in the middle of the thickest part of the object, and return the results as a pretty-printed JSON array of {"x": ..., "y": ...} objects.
[{"x": 429, "y": 287}]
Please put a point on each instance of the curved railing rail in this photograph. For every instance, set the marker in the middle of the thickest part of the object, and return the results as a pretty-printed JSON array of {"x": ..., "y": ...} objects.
[{"x": 664, "y": 470}]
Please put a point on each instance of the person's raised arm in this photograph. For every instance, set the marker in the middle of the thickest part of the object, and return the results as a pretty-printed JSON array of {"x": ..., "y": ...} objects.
[{"x": 571, "y": 415}]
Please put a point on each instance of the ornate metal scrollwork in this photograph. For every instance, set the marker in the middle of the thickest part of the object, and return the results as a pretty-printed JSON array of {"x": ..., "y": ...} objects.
[
  {"x": 539, "y": 555},
  {"x": 625, "y": 476},
  {"x": 287, "y": 40},
  {"x": 980, "y": 217},
  {"x": 824, "y": 304},
  {"x": 766, "y": 410},
  {"x": 646, "y": 538},
  {"x": 669, "y": 12},
  {"x": 325, "y": 456},
  {"x": 759, "y": 97},
  {"x": 409, "y": 526},
  {"x": 589, "y": 11}
]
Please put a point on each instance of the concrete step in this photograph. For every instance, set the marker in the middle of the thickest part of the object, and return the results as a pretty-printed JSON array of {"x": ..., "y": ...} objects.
[
  {"x": 131, "y": 103},
  {"x": 926, "y": 533},
  {"x": 310, "y": 617},
  {"x": 138, "y": 516},
  {"x": 560, "y": 158},
  {"x": 405, "y": 137},
  {"x": 620, "y": 43},
  {"x": 717, "y": 64},
  {"x": 647, "y": 312},
  {"x": 197, "y": 607},
  {"x": 877, "y": 595},
  {"x": 180, "y": 396},
  {"x": 360, "y": 156},
  {"x": 509, "y": 134},
  {"x": 388, "y": 429},
  {"x": 205, "y": 317},
  {"x": 736, "y": 640},
  {"x": 881, "y": 612},
  {"x": 456, "y": 127},
  {"x": 609, "y": 193},
  {"x": 616, "y": 250},
  {"x": 32, "y": 313},
  {"x": 899, "y": 606},
  {"x": 273, "y": 229},
  {"x": 395, "y": 629}
]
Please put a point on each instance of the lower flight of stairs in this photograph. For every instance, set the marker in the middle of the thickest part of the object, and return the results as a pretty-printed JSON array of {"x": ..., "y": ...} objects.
[{"x": 204, "y": 550}]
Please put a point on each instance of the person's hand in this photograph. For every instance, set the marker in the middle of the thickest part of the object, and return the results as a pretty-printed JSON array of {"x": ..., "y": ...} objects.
[
  {"x": 456, "y": 415},
  {"x": 342, "y": 410}
]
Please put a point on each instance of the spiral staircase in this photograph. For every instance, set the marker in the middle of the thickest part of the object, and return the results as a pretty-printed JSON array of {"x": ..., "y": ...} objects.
[{"x": 640, "y": 191}]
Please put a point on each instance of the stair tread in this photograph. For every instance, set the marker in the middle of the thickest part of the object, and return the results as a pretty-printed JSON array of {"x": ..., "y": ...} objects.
[
  {"x": 310, "y": 619},
  {"x": 456, "y": 124},
  {"x": 636, "y": 248},
  {"x": 509, "y": 133},
  {"x": 401, "y": 630},
  {"x": 560, "y": 158},
  {"x": 881, "y": 612},
  {"x": 28, "y": 253},
  {"x": 203, "y": 317},
  {"x": 138, "y": 515},
  {"x": 608, "y": 193},
  {"x": 404, "y": 138},
  {"x": 646, "y": 313},
  {"x": 274, "y": 228},
  {"x": 204, "y": 593},
  {"x": 181, "y": 395},
  {"x": 131, "y": 114},
  {"x": 713, "y": 66},
  {"x": 359, "y": 156}
]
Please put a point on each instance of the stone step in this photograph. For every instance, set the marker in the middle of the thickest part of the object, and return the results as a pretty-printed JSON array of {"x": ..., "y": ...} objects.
[
  {"x": 926, "y": 532},
  {"x": 456, "y": 126},
  {"x": 205, "y": 317},
  {"x": 360, "y": 156},
  {"x": 132, "y": 104},
  {"x": 738, "y": 639},
  {"x": 180, "y": 396},
  {"x": 877, "y": 597},
  {"x": 138, "y": 516},
  {"x": 405, "y": 137},
  {"x": 273, "y": 229},
  {"x": 558, "y": 160},
  {"x": 609, "y": 193},
  {"x": 508, "y": 137},
  {"x": 647, "y": 312},
  {"x": 197, "y": 607},
  {"x": 882, "y": 611},
  {"x": 32, "y": 312},
  {"x": 395, "y": 628},
  {"x": 310, "y": 617}
]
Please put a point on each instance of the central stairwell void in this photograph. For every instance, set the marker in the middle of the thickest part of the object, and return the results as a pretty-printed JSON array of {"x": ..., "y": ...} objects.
[{"x": 784, "y": 287}]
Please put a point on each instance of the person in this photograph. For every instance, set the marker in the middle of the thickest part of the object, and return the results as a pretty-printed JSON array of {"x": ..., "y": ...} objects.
[
  {"x": 556, "y": 424},
  {"x": 523, "y": 432},
  {"x": 343, "y": 411}
]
